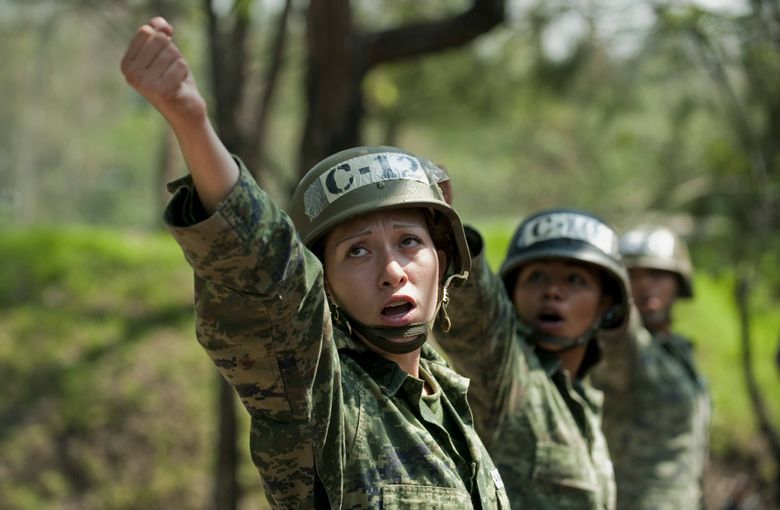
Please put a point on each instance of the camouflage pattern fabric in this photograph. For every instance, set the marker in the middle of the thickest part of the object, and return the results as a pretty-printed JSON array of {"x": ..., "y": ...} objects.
[
  {"x": 657, "y": 412},
  {"x": 332, "y": 424},
  {"x": 541, "y": 427}
]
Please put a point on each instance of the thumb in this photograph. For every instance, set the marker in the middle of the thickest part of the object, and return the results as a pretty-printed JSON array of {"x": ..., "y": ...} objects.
[{"x": 446, "y": 185}]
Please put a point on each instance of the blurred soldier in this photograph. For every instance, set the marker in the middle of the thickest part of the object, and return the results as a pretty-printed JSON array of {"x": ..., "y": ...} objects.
[
  {"x": 526, "y": 339},
  {"x": 656, "y": 403},
  {"x": 319, "y": 319}
]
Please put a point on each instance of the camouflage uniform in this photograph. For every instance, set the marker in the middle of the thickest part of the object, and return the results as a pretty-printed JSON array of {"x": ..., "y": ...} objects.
[
  {"x": 332, "y": 424},
  {"x": 657, "y": 414},
  {"x": 541, "y": 427}
]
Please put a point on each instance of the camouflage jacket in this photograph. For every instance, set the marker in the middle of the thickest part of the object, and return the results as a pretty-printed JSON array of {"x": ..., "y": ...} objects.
[
  {"x": 657, "y": 412},
  {"x": 332, "y": 424},
  {"x": 541, "y": 427}
]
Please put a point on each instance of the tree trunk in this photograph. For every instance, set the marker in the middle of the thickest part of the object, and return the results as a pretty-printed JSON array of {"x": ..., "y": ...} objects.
[
  {"x": 226, "y": 488},
  {"x": 335, "y": 70},
  {"x": 340, "y": 56}
]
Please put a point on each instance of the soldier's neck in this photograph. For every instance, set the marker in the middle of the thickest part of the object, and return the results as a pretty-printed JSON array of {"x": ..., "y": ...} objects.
[{"x": 571, "y": 359}]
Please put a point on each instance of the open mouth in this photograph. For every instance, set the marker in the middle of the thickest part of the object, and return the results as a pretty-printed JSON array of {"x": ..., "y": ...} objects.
[
  {"x": 549, "y": 319},
  {"x": 397, "y": 309}
]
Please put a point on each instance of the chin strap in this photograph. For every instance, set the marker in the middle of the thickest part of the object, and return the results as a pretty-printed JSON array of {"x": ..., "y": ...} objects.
[
  {"x": 570, "y": 343},
  {"x": 441, "y": 308},
  {"x": 564, "y": 343},
  {"x": 379, "y": 336}
]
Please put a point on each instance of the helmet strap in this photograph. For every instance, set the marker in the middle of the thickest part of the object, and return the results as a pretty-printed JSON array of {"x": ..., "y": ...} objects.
[
  {"x": 338, "y": 314},
  {"x": 441, "y": 309},
  {"x": 565, "y": 343},
  {"x": 379, "y": 336}
]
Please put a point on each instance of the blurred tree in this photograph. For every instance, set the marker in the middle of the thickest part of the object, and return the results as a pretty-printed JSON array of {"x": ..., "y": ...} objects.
[
  {"x": 742, "y": 56},
  {"x": 242, "y": 104},
  {"x": 341, "y": 54}
]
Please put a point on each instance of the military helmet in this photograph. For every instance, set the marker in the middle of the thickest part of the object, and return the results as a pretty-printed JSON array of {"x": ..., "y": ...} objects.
[
  {"x": 659, "y": 247},
  {"x": 363, "y": 180},
  {"x": 575, "y": 235}
]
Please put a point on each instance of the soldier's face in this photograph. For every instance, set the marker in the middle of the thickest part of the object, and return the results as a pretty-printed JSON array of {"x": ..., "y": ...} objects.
[
  {"x": 383, "y": 268},
  {"x": 559, "y": 297},
  {"x": 654, "y": 291}
]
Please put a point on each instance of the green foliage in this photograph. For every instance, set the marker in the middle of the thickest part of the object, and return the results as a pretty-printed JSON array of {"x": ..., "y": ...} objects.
[
  {"x": 711, "y": 321},
  {"x": 49, "y": 256},
  {"x": 107, "y": 402}
]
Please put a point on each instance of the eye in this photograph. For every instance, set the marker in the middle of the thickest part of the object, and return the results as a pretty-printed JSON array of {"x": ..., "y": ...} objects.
[
  {"x": 410, "y": 241},
  {"x": 578, "y": 279},
  {"x": 535, "y": 277},
  {"x": 357, "y": 251}
]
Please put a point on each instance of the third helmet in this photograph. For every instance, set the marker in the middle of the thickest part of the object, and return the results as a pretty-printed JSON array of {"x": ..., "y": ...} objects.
[{"x": 658, "y": 247}]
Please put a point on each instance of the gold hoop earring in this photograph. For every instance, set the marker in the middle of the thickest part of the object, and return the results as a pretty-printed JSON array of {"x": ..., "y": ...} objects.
[
  {"x": 335, "y": 311},
  {"x": 444, "y": 321}
]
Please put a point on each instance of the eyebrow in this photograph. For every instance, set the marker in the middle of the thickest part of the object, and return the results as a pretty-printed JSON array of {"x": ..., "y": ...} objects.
[
  {"x": 352, "y": 236},
  {"x": 406, "y": 225},
  {"x": 361, "y": 233}
]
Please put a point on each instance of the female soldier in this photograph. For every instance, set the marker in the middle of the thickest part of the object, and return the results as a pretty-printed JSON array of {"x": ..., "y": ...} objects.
[
  {"x": 656, "y": 403},
  {"x": 525, "y": 337},
  {"x": 348, "y": 408}
]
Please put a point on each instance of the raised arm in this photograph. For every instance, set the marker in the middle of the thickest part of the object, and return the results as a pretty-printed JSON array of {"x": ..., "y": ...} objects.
[
  {"x": 481, "y": 342},
  {"x": 620, "y": 363},
  {"x": 154, "y": 66}
]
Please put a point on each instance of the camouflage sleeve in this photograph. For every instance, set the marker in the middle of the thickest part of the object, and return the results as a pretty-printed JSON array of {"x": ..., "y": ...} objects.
[
  {"x": 263, "y": 320},
  {"x": 620, "y": 354},
  {"x": 481, "y": 342},
  {"x": 258, "y": 295}
]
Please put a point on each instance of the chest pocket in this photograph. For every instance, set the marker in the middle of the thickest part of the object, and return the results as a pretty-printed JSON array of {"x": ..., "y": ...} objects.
[
  {"x": 561, "y": 466},
  {"x": 424, "y": 497}
]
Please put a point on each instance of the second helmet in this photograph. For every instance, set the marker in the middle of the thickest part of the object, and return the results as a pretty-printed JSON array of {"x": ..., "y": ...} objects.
[{"x": 575, "y": 235}]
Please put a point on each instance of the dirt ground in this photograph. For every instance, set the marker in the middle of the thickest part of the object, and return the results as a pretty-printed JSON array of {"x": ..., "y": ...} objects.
[{"x": 735, "y": 483}]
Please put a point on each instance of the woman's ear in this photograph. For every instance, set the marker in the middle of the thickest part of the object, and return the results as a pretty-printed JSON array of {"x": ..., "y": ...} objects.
[
  {"x": 328, "y": 292},
  {"x": 607, "y": 300},
  {"x": 332, "y": 304},
  {"x": 442, "y": 263}
]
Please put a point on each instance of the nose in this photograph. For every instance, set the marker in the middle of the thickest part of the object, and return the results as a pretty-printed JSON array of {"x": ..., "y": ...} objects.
[
  {"x": 392, "y": 274},
  {"x": 553, "y": 290}
]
